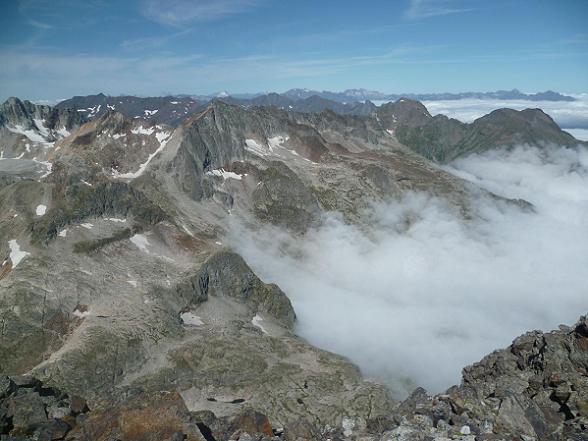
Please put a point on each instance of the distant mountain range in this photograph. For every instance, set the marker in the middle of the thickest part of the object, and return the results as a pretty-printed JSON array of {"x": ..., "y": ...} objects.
[
  {"x": 355, "y": 95},
  {"x": 363, "y": 94},
  {"x": 173, "y": 109}
]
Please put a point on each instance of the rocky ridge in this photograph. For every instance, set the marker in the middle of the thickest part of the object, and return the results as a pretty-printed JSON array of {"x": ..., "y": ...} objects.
[
  {"x": 534, "y": 389},
  {"x": 172, "y": 109},
  {"x": 116, "y": 284}
]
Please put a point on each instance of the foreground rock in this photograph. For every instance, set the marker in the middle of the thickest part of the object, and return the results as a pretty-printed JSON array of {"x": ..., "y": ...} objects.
[{"x": 536, "y": 389}]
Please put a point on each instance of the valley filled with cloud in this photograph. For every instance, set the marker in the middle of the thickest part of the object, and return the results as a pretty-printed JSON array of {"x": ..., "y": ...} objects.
[{"x": 423, "y": 291}]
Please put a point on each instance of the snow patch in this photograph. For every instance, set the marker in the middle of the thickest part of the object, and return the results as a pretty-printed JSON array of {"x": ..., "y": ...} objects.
[
  {"x": 41, "y": 210},
  {"x": 465, "y": 430},
  {"x": 87, "y": 226},
  {"x": 115, "y": 219},
  {"x": 277, "y": 141},
  {"x": 133, "y": 283},
  {"x": 191, "y": 319},
  {"x": 48, "y": 170},
  {"x": 32, "y": 135},
  {"x": 254, "y": 147},
  {"x": 224, "y": 174},
  {"x": 63, "y": 132},
  {"x": 62, "y": 233},
  {"x": 16, "y": 254},
  {"x": 119, "y": 135},
  {"x": 149, "y": 113},
  {"x": 163, "y": 138},
  {"x": 81, "y": 314},
  {"x": 348, "y": 424},
  {"x": 141, "y": 242},
  {"x": 143, "y": 131},
  {"x": 44, "y": 131},
  {"x": 257, "y": 322}
]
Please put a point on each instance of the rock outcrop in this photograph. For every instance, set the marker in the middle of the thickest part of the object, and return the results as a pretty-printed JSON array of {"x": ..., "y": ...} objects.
[{"x": 536, "y": 389}]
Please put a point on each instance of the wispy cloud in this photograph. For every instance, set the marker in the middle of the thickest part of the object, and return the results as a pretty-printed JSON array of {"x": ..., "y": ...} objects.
[
  {"x": 21, "y": 71},
  {"x": 152, "y": 42},
  {"x": 35, "y": 73},
  {"x": 420, "y": 9},
  {"x": 576, "y": 39},
  {"x": 181, "y": 12},
  {"x": 38, "y": 24}
]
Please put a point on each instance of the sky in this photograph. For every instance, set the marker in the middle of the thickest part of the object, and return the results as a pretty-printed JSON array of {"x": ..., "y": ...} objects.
[{"x": 54, "y": 49}]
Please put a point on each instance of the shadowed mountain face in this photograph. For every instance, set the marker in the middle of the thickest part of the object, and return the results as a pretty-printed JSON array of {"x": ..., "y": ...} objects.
[
  {"x": 27, "y": 130},
  {"x": 168, "y": 109},
  {"x": 117, "y": 282},
  {"x": 443, "y": 139},
  {"x": 363, "y": 94},
  {"x": 172, "y": 110}
]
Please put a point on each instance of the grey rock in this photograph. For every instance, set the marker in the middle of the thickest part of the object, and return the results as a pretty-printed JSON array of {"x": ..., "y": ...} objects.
[
  {"x": 54, "y": 429},
  {"x": 522, "y": 391},
  {"x": 227, "y": 274},
  {"x": 27, "y": 411},
  {"x": 7, "y": 386}
]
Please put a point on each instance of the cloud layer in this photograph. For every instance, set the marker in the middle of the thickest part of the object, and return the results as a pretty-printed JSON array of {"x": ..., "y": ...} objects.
[{"x": 425, "y": 292}]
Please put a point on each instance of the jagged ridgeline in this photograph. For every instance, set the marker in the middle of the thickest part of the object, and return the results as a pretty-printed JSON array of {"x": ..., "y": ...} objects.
[{"x": 124, "y": 315}]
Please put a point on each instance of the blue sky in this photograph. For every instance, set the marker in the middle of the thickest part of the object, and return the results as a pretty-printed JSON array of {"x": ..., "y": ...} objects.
[{"x": 51, "y": 49}]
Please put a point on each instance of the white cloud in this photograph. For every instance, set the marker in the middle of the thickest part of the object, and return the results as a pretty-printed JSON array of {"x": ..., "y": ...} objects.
[
  {"x": 413, "y": 302},
  {"x": 181, "y": 12},
  {"x": 152, "y": 42},
  {"x": 39, "y": 24},
  {"x": 581, "y": 134},
  {"x": 420, "y": 9}
]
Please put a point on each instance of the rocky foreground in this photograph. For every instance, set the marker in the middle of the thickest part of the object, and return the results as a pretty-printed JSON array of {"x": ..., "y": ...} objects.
[
  {"x": 124, "y": 314},
  {"x": 537, "y": 388}
]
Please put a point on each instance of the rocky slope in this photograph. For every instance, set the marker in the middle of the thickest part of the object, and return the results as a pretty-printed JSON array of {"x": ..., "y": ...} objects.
[
  {"x": 116, "y": 284},
  {"x": 534, "y": 389}
]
